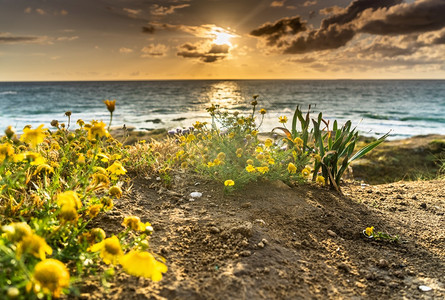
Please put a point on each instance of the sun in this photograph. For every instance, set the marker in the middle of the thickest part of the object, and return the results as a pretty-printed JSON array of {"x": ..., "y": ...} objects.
[{"x": 222, "y": 38}]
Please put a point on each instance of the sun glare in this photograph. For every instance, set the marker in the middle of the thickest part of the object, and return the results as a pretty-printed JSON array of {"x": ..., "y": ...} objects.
[{"x": 221, "y": 36}]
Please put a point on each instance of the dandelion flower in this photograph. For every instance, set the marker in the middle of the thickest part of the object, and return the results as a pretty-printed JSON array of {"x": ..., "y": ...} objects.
[
  {"x": 115, "y": 191},
  {"x": 97, "y": 130},
  {"x": 369, "y": 231},
  {"x": 110, "y": 250},
  {"x": 291, "y": 168},
  {"x": 9, "y": 131},
  {"x": 250, "y": 168},
  {"x": 33, "y": 158},
  {"x": 282, "y": 119},
  {"x": 320, "y": 180},
  {"x": 268, "y": 143},
  {"x": 263, "y": 170},
  {"x": 34, "y": 245},
  {"x": 306, "y": 172},
  {"x": 68, "y": 213},
  {"x": 221, "y": 156},
  {"x": 52, "y": 276},
  {"x": 134, "y": 223},
  {"x": 69, "y": 198},
  {"x": 94, "y": 210},
  {"x": 111, "y": 104},
  {"x": 6, "y": 150},
  {"x": 116, "y": 169},
  {"x": 16, "y": 231},
  {"x": 249, "y": 162},
  {"x": 239, "y": 152},
  {"x": 263, "y": 111},
  {"x": 298, "y": 141},
  {"x": 33, "y": 137},
  {"x": 143, "y": 264},
  {"x": 240, "y": 121},
  {"x": 229, "y": 182}
]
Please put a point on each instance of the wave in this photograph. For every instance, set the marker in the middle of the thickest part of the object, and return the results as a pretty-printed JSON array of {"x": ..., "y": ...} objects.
[
  {"x": 8, "y": 93},
  {"x": 376, "y": 116},
  {"x": 438, "y": 120}
]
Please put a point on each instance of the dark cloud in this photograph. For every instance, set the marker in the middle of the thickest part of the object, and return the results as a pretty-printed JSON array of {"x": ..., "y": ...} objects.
[
  {"x": 354, "y": 9},
  {"x": 150, "y": 29},
  {"x": 273, "y": 33},
  {"x": 420, "y": 16},
  {"x": 215, "y": 53},
  {"x": 17, "y": 39}
]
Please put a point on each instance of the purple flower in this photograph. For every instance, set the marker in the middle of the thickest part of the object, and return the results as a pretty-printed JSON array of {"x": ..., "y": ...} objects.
[{"x": 171, "y": 132}]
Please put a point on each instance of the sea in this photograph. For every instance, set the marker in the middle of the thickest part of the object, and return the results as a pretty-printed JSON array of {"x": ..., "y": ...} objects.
[{"x": 404, "y": 108}]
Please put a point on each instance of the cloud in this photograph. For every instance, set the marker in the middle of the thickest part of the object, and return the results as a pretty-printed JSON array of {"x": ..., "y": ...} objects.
[
  {"x": 150, "y": 29},
  {"x": 132, "y": 12},
  {"x": 124, "y": 50},
  {"x": 7, "y": 38},
  {"x": 158, "y": 10},
  {"x": 277, "y": 3},
  {"x": 283, "y": 28},
  {"x": 309, "y": 3},
  {"x": 377, "y": 17},
  {"x": 154, "y": 50},
  {"x": 420, "y": 16},
  {"x": 40, "y": 11},
  {"x": 67, "y": 38},
  {"x": 28, "y": 10},
  {"x": 204, "y": 52}
]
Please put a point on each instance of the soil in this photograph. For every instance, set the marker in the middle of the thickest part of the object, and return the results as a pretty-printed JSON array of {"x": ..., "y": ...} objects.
[{"x": 272, "y": 241}]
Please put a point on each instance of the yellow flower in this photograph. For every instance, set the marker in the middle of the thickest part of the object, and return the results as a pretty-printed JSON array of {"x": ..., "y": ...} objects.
[
  {"x": 6, "y": 150},
  {"x": 240, "y": 121},
  {"x": 268, "y": 143},
  {"x": 97, "y": 130},
  {"x": 80, "y": 122},
  {"x": 115, "y": 191},
  {"x": 282, "y": 119},
  {"x": 51, "y": 276},
  {"x": 184, "y": 165},
  {"x": 229, "y": 182},
  {"x": 271, "y": 161},
  {"x": 369, "y": 231},
  {"x": 249, "y": 162},
  {"x": 9, "y": 131},
  {"x": 263, "y": 170},
  {"x": 210, "y": 164},
  {"x": 44, "y": 168},
  {"x": 102, "y": 157},
  {"x": 135, "y": 223},
  {"x": 250, "y": 168},
  {"x": 111, "y": 104},
  {"x": 33, "y": 158},
  {"x": 221, "y": 156},
  {"x": 116, "y": 169},
  {"x": 99, "y": 178},
  {"x": 68, "y": 213},
  {"x": 317, "y": 157},
  {"x": 110, "y": 250},
  {"x": 216, "y": 162},
  {"x": 239, "y": 152},
  {"x": 260, "y": 156},
  {"x": 94, "y": 210},
  {"x": 81, "y": 159},
  {"x": 291, "y": 168},
  {"x": 320, "y": 180},
  {"x": 143, "y": 264},
  {"x": 298, "y": 141},
  {"x": 33, "y": 136},
  {"x": 34, "y": 245},
  {"x": 263, "y": 111},
  {"x": 191, "y": 137},
  {"x": 69, "y": 198},
  {"x": 16, "y": 231},
  {"x": 258, "y": 149},
  {"x": 254, "y": 132},
  {"x": 306, "y": 172}
]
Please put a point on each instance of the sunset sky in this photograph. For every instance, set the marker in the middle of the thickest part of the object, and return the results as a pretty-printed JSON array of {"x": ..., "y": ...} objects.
[{"x": 221, "y": 39}]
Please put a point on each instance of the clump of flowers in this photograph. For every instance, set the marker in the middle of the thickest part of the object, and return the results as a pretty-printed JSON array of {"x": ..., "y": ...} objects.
[{"x": 370, "y": 233}]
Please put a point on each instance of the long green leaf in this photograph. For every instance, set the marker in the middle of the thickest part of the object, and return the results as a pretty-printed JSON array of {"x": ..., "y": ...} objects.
[{"x": 369, "y": 147}]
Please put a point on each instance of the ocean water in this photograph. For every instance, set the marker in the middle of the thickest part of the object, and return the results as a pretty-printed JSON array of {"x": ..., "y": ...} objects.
[{"x": 406, "y": 107}]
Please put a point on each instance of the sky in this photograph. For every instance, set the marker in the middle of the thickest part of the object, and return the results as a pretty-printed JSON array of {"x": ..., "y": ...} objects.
[{"x": 50, "y": 40}]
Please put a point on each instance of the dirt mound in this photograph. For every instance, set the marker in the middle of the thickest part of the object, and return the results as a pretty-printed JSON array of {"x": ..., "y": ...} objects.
[{"x": 271, "y": 241}]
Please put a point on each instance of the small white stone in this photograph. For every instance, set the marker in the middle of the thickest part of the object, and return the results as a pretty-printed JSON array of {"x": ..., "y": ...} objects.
[
  {"x": 158, "y": 178},
  {"x": 424, "y": 288},
  {"x": 195, "y": 194}
]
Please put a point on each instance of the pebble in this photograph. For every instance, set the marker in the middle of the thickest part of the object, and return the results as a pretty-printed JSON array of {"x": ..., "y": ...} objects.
[
  {"x": 423, "y": 205},
  {"x": 245, "y": 253},
  {"x": 414, "y": 197},
  {"x": 195, "y": 194},
  {"x": 260, "y": 221},
  {"x": 214, "y": 229},
  {"x": 424, "y": 288},
  {"x": 382, "y": 263},
  {"x": 260, "y": 245},
  {"x": 331, "y": 233},
  {"x": 343, "y": 267},
  {"x": 264, "y": 241},
  {"x": 246, "y": 205}
]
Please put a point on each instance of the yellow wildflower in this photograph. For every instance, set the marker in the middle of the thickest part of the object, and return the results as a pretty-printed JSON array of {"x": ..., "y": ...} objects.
[
  {"x": 191, "y": 137},
  {"x": 221, "y": 156},
  {"x": 116, "y": 169},
  {"x": 250, "y": 168},
  {"x": 320, "y": 180},
  {"x": 240, "y": 121},
  {"x": 33, "y": 158},
  {"x": 45, "y": 169},
  {"x": 34, "y": 245},
  {"x": 306, "y": 172},
  {"x": 184, "y": 165},
  {"x": 6, "y": 150},
  {"x": 51, "y": 276},
  {"x": 80, "y": 122},
  {"x": 258, "y": 149},
  {"x": 81, "y": 159},
  {"x": 97, "y": 130},
  {"x": 135, "y": 223},
  {"x": 271, "y": 161},
  {"x": 69, "y": 198},
  {"x": 268, "y": 143},
  {"x": 369, "y": 231},
  {"x": 232, "y": 135},
  {"x": 216, "y": 162},
  {"x": 263, "y": 111},
  {"x": 68, "y": 213},
  {"x": 298, "y": 141},
  {"x": 249, "y": 162},
  {"x": 291, "y": 168},
  {"x": 100, "y": 179},
  {"x": 143, "y": 264},
  {"x": 229, "y": 182},
  {"x": 33, "y": 137},
  {"x": 282, "y": 119},
  {"x": 94, "y": 210},
  {"x": 111, "y": 104},
  {"x": 263, "y": 170},
  {"x": 317, "y": 157},
  {"x": 115, "y": 191},
  {"x": 239, "y": 152},
  {"x": 16, "y": 231},
  {"x": 254, "y": 132},
  {"x": 210, "y": 164},
  {"x": 103, "y": 157},
  {"x": 110, "y": 250},
  {"x": 260, "y": 156},
  {"x": 95, "y": 235},
  {"x": 9, "y": 131}
]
